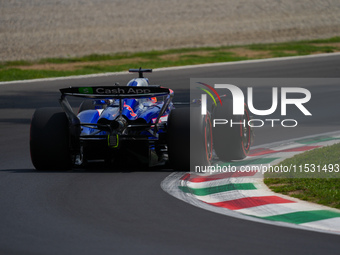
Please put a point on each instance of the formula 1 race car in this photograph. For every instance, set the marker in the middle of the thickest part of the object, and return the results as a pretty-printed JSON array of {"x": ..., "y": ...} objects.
[{"x": 135, "y": 125}]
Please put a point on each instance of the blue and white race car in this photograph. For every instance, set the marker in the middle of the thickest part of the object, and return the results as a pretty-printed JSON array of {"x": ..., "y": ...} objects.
[{"x": 135, "y": 125}]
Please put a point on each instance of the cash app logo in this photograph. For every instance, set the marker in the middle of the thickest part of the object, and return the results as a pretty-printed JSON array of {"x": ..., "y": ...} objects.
[{"x": 86, "y": 90}]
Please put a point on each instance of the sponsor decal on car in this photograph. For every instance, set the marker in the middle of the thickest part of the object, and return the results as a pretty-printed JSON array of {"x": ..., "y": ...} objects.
[
  {"x": 129, "y": 90},
  {"x": 86, "y": 90},
  {"x": 162, "y": 119},
  {"x": 128, "y": 107}
]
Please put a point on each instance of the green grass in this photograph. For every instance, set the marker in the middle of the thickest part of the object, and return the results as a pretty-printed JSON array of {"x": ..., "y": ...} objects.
[
  {"x": 296, "y": 48},
  {"x": 322, "y": 188},
  {"x": 96, "y": 63}
]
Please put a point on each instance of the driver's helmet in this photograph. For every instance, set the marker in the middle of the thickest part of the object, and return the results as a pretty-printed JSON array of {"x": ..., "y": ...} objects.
[{"x": 137, "y": 82}]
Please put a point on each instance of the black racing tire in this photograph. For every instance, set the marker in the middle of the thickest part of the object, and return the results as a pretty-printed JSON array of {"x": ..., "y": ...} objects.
[
  {"x": 49, "y": 140},
  {"x": 86, "y": 105},
  {"x": 201, "y": 140},
  {"x": 178, "y": 139},
  {"x": 185, "y": 125},
  {"x": 231, "y": 143}
]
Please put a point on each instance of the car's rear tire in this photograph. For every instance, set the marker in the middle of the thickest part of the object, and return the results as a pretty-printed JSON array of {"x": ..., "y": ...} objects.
[
  {"x": 231, "y": 143},
  {"x": 185, "y": 125},
  {"x": 178, "y": 139},
  {"x": 49, "y": 140}
]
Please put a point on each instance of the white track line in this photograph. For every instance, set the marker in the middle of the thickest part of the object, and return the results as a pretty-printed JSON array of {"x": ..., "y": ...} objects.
[
  {"x": 232, "y": 195},
  {"x": 174, "y": 68},
  {"x": 278, "y": 209},
  {"x": 328, "y": 224}
]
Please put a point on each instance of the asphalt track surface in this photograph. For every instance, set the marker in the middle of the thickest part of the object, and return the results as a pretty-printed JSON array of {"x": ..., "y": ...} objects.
[{"x": 127, "y": 212}]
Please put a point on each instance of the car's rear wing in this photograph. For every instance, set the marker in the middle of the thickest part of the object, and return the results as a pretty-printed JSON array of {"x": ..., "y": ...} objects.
[
  {"x": 110, "y": 92},
  {"x": 118, "y": 92}
]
